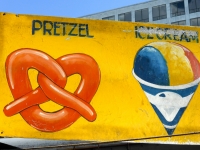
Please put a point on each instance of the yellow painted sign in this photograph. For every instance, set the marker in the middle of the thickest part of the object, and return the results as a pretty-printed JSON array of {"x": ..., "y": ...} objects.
[{"x": 89, "y": 80}]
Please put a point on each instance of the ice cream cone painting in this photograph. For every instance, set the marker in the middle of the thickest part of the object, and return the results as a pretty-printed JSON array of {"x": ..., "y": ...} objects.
[{"x": 169, "y": 75}]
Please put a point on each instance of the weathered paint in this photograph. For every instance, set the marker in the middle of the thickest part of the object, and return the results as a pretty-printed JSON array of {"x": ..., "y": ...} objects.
[{"x": 121, "y": 101}]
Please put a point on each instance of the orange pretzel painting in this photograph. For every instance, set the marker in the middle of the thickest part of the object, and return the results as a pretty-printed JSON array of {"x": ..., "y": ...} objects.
[{"x": 52, "y": 78}]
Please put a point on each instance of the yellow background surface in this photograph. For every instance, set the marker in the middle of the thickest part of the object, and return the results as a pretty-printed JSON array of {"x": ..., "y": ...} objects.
[{"x": 123, "y": 111}]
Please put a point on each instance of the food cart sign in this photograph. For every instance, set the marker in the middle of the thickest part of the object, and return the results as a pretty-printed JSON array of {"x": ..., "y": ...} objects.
[{"x": 98, "y": 81}]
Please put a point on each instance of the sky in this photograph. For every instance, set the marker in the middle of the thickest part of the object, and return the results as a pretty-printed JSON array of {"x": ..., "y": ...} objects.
[{"x": 62, "y": 8}]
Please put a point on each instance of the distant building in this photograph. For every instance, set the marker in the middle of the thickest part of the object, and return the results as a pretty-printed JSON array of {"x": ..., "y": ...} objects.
[{"x": 180, "y": 12}]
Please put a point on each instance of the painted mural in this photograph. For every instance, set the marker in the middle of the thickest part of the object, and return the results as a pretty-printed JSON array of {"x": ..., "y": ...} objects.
[{"x": 98, "y": 81}]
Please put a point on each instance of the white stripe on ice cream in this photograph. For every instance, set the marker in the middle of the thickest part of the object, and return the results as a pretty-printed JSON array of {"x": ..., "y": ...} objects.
[{"x": 169, "y": 103}]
